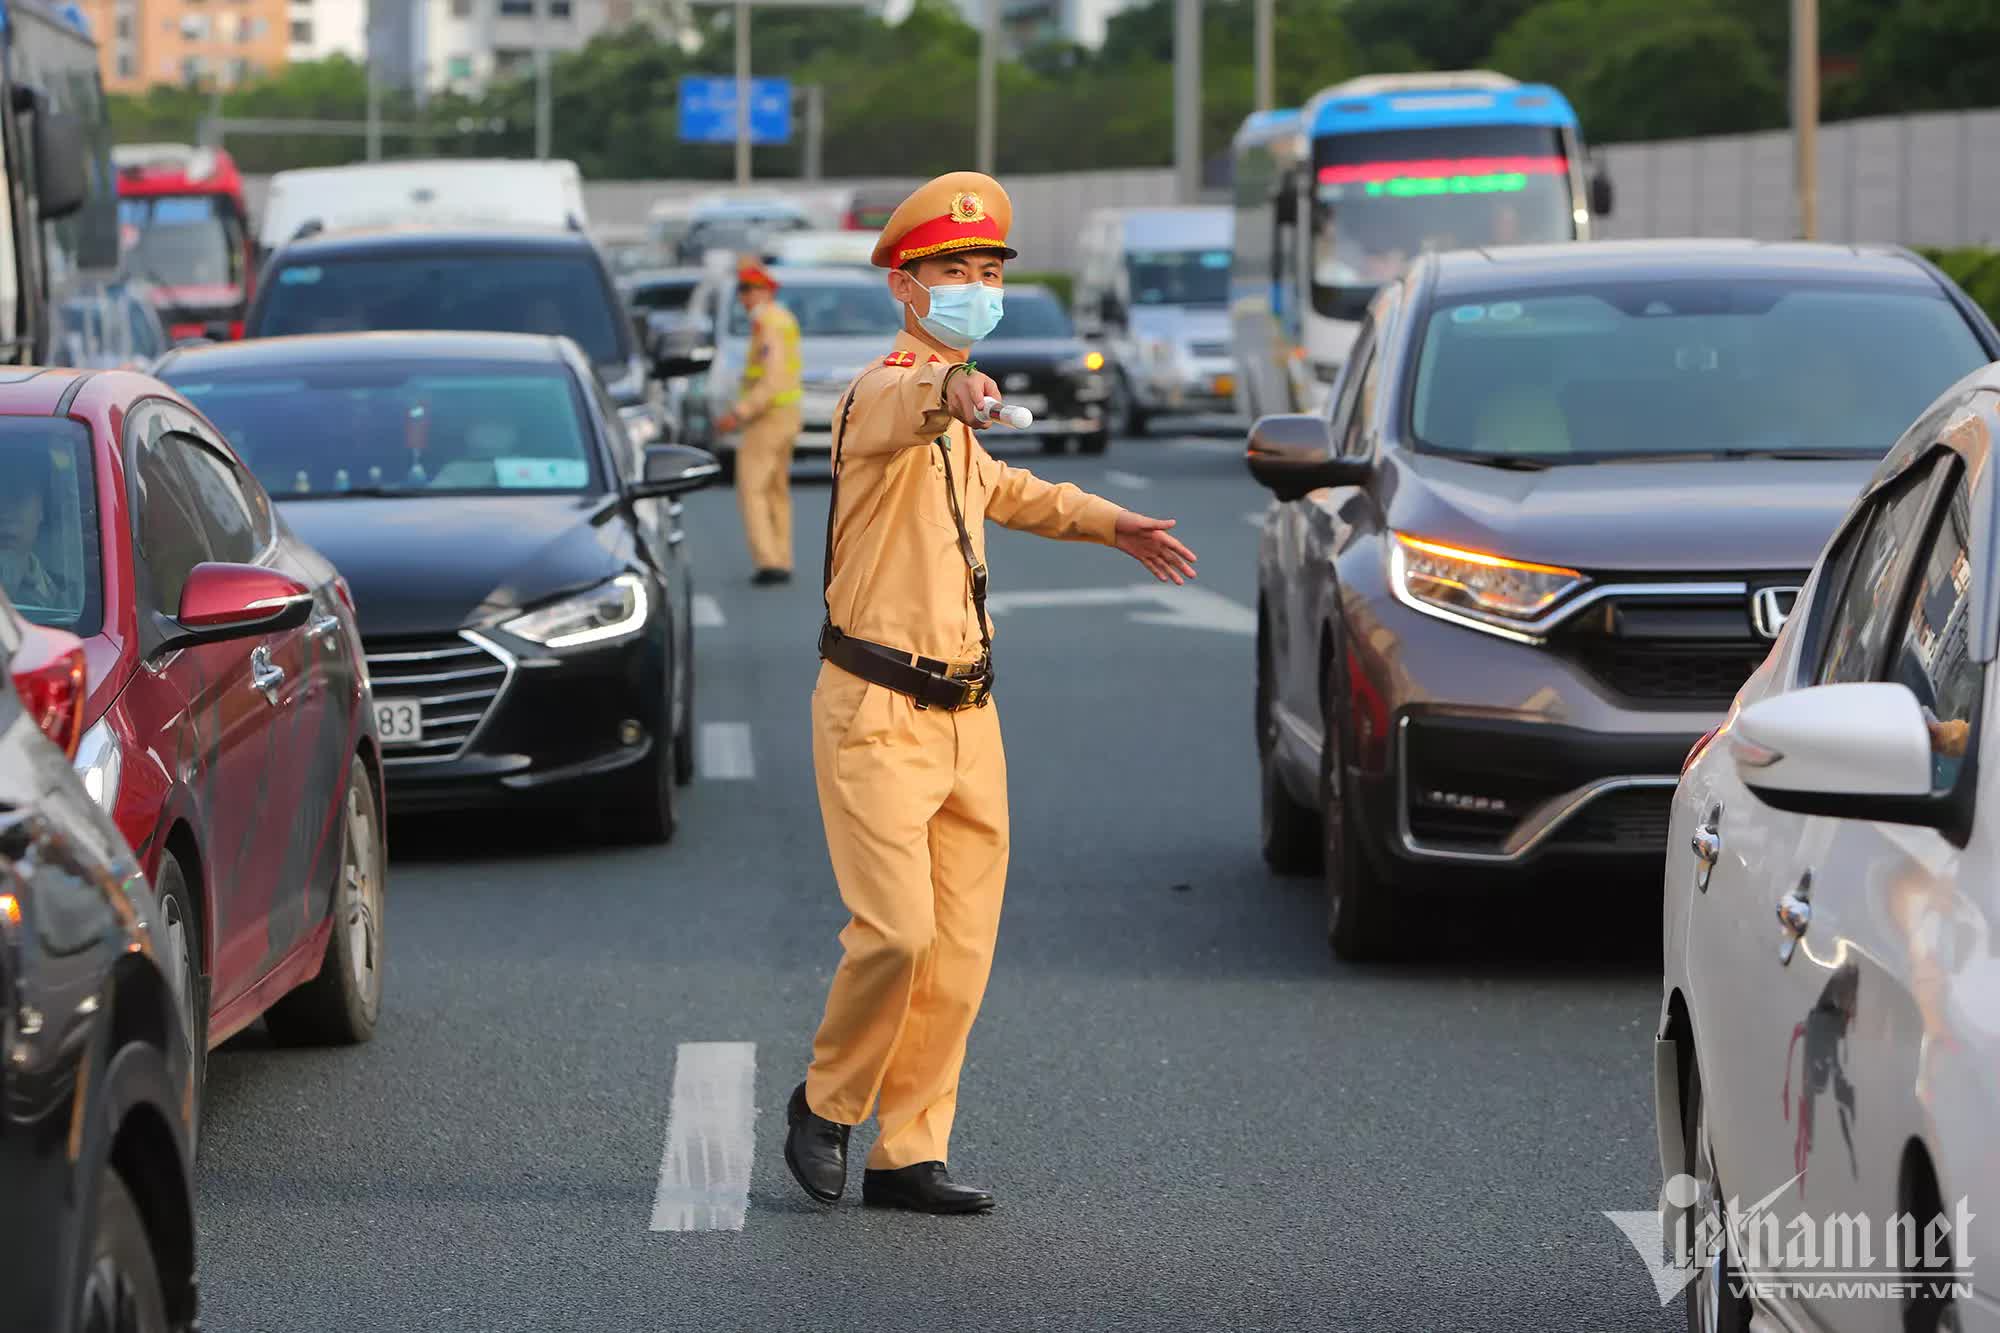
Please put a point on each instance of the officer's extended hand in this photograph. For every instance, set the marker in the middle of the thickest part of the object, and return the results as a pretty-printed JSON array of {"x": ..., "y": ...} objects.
[
  {"x": 1148, "y": 541},
  {"x": 963, "y": 396}
]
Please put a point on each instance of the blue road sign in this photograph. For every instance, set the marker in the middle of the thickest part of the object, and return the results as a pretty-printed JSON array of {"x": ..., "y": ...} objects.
[{"x": 708, "y": 110}]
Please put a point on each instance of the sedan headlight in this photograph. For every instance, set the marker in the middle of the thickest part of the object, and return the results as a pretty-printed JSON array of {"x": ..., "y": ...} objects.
[
  {"x": 641, "y": 426},
  {"x": 1475, "y": 588},
  {"x": 615, "y": 609},
  {"x": 100, "y": 762}
]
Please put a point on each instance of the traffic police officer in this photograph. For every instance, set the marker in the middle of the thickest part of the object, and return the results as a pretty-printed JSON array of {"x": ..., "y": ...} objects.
[
  {"x": 906, "y": 749},
  {"x": 767, "y": 412}
]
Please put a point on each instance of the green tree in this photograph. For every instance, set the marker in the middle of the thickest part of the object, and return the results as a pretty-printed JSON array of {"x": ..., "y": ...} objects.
[{"x": 1638, "y": 70}]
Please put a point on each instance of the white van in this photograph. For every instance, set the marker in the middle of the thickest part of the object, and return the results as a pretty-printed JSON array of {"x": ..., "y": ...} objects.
[
  {"x": 442, "y": 191},
  {"x": 1152, "y": 293}
]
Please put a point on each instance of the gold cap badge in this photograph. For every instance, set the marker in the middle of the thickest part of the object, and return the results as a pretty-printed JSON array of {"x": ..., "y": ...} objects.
[{"x": 967, "y": 208}]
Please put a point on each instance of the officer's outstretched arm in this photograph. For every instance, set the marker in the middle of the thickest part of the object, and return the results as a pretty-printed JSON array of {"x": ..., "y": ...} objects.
[
  {"x": 1017, "y": 498},
  {"x": 896, "y": 407}
]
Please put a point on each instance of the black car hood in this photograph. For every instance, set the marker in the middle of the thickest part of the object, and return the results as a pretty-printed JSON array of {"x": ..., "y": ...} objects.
[
  {"x": 1021, "y": 353},
  {"x": 431, "y": 566},
  {"x": 1669, "y": 517}
]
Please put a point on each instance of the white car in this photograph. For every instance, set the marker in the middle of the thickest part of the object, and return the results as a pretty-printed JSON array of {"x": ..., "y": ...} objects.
[{"x": 1828, "y": 1056}]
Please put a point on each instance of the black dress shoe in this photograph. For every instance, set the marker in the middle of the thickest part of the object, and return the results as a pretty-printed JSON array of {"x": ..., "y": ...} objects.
[
  {"x": 765, "y": 577},
  {"x": 815, "y": 1149},
  {"x": 922, "y": 1188}
]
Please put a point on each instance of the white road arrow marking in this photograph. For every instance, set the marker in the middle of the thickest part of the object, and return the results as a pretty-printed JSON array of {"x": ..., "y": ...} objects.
[{"x": 1187, "y": 607}]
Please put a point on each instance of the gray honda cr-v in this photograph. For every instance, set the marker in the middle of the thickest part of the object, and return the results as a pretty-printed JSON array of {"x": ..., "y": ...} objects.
[{"x": 1557, "y": 509}]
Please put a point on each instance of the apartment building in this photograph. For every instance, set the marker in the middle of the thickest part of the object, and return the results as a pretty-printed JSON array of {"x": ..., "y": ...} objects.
[
  {"x": 467, "y": 42},
  {"x": 147, "y": 42},
  {"x": 317, "y": 29}
]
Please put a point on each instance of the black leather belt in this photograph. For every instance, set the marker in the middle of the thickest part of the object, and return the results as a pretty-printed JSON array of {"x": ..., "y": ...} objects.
[{"x": 928, "y": 681}]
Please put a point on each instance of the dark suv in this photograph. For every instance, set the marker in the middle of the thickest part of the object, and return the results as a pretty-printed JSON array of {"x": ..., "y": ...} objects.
[
  {"x": 1559, "y": 505},
  {"x": 477, "y": 281}
]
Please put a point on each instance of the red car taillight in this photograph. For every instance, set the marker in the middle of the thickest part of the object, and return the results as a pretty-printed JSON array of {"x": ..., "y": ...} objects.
[
  {"x": 187, "y": 331},
  {"x": 50, "y": 676},
  {"x": 1699, "y": 746},
  {"x": 236, "y": 329}
]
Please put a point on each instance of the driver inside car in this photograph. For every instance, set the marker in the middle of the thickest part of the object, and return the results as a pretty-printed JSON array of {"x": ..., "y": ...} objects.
[{"x": 25, "y": 493}]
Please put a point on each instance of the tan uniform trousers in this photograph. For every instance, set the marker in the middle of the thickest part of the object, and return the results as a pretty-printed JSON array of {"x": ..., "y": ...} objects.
[
  {"x": 764, "y": 485},
  {"x": 915, "y": 805}
]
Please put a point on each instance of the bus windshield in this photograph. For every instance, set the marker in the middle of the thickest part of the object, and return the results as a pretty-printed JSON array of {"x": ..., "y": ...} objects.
[
  {"x": 1382, "y": 197},
  {"x": 182, "y": 240}
]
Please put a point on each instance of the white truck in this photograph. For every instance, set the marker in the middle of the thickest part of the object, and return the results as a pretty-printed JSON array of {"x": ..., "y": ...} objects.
[{"x": 439, "y": 192}]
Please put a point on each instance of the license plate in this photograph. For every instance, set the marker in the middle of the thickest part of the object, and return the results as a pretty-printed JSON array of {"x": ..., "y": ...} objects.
[
  {"x": 399, "y": 720},
  {"x": 1034, "y": 402},
  {"x": 1225, "y": 385}
]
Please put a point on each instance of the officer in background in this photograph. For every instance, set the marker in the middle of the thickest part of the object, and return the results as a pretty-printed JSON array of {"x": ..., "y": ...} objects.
[
  {"x": 906, "y": 745},
  {"x": 767, "y": 412}
]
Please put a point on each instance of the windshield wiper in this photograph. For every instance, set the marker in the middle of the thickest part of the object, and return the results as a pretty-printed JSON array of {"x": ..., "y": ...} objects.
[
  {"x": 1713, "y": 455},
  {"x": 1509, "y": 462}
]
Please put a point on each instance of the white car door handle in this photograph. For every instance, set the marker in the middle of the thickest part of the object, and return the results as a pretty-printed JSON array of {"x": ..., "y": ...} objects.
[{"x": 1794, "y": 916}]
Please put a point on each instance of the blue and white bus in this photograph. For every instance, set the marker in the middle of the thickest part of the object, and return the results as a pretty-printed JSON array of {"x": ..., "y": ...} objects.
[{"x": 1334, "y": 199}]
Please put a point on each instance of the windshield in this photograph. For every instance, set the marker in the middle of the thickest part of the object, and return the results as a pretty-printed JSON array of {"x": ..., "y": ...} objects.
[
  {"x": 487, "y": 293},
  {"x": 832, "y": 310},
  {"x": 182, "y": 240},
  {"x": 48, "y": 523},
  {"x": 1178, "y": 277},
  {"x": 1685, "y": 368},
  {"x": 1381, "y": 198},
  {"x": 445, "y": 428},
  {"x": 1031, "y": 314}
]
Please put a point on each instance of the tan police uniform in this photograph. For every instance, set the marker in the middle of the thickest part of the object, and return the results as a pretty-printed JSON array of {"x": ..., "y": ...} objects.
[
  {"x": 767, "y": 411},
  {"x": 914, "y": 798}
]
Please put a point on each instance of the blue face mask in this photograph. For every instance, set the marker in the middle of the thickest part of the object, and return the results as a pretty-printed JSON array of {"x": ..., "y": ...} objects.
[{"x": 961, "y": 313}]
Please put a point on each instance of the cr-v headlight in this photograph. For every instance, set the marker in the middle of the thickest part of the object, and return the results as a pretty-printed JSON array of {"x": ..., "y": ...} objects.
[
  {"x": 1475, "y": 588},
  {"x": 615, "y": 609}
]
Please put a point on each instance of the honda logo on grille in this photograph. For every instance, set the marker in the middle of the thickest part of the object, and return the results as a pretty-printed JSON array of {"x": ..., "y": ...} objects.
[{"x": 1769, "y": 607}]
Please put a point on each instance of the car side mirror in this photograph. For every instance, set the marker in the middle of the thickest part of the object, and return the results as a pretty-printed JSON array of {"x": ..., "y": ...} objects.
[
  {"x": 1291, "y": 454},
  {"x": 674, "y": 469},
  {"x": 1862, "y": 750},
  {"x": 61, "y": 174},
  {"x": 681, "y": 352},
  {"x": 1600, "y": 194},
  {"x": 220, "y": 602}
]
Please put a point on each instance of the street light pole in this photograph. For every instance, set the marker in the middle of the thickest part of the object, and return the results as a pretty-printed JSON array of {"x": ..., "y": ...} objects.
[
  {"x": 374, "y": 104},
  {"x": 1805, "y": 114},
  {"x": 544, "y": 110},
  {"x": 1187, "y": 99},
  {"x": 989, "y": 73},
  {"x": 1262, "y": 34},
  {"x": 742, "y": 92}
]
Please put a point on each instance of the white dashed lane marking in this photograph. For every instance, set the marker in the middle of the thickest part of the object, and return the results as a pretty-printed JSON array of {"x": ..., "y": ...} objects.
[
  {"x": 724, "y": 752},
  {"x": 1132, "y": 480},
  {"x": 707, "y": 612},
  {"x": 705, "y": 1169}
]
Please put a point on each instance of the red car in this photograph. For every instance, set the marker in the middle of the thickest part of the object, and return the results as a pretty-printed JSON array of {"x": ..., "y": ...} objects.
[{"x": 227, "y": 724}]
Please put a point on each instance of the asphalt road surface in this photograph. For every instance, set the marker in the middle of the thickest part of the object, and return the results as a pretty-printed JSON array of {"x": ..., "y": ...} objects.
[{"x": 1192, "y": 1116}]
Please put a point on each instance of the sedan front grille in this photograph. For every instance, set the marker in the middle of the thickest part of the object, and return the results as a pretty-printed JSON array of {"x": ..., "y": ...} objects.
[{"x": 456, "y": 679}]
